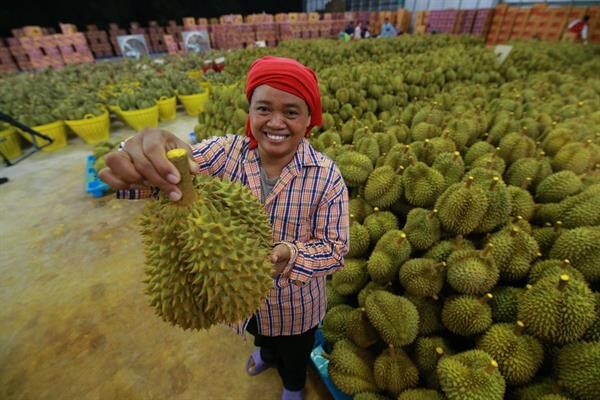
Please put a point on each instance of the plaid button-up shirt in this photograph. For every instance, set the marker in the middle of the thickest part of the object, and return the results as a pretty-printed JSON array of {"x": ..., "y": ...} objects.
[{"x": 308, "y": 208}]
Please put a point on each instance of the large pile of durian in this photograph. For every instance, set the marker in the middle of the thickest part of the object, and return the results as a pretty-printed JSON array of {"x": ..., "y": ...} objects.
[{"x": 474, "y": 264}]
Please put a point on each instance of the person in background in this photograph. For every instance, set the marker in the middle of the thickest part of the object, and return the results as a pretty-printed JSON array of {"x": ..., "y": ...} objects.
[
  {"x": 357, "y": 32},
  {"x": 387, "y": 29},
  {"x": 349, "y": 28},
  {"x": 365, "y": 32},
  {"x": 302, "y": 191},
  {"x": 577, "y": 30}
]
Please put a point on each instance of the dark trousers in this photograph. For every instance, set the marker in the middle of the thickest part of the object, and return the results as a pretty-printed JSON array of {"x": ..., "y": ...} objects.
[{"x": 289, "y": 353}]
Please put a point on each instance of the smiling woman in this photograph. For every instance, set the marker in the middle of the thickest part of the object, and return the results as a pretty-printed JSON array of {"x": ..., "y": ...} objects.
[{"x": 303, "y": 194}]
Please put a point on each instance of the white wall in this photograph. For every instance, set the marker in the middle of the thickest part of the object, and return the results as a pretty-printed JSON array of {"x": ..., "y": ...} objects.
[{"x": 418, "y": 5}]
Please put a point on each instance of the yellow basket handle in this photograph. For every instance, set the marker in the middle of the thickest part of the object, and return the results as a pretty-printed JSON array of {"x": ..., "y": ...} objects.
[
  {"x": 163, "y": 98},
  {"x": 89, "y": 116}
]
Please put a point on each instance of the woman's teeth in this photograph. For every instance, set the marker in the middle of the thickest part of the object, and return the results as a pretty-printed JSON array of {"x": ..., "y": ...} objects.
[{"x": 276, "y": 138}]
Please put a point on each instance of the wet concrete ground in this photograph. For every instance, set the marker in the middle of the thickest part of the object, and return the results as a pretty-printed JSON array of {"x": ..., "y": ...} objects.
[{"x": 74, "y": 320}]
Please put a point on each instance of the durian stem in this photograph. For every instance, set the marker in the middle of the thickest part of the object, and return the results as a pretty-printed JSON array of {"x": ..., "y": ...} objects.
[
  {"x": 514, "y": 231},
  {"x": 564, "y": 280},
  {"x": 565, "y": 264},
  {"x": 470, "y": 181},
  {"x": 179, "y": 158},
  {"x": 486, "y": 251},
  {"x": 432, "y": 213},
  {"x": 493, "y": 365},
  {"x": 494, "y": 183},
  {"x": 519, "y": 327},
  {"x": 526, "y": 183},
  {"x": 557, "y": 226},
  {"x": 439, "y": 352},
  {"x": 392, "y": 351},
  {"x": 486, "y": 298}
]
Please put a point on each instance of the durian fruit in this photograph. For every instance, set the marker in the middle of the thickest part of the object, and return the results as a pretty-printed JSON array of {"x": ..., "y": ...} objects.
[
  {"x": 546, "y": 389},
  {"x": 442, "y": 250},
  {"x": 427, "y": 353},
  {"x": 399, "y": 157},
  {"x": 333, "y": 297},
  {"x": 472, "y": 271},
  {"x": 580, "y": 209},
  {"x": 391, "y": 250},
  {"x": 423, "y": 277},
  {"x": 515, "y": 146},
  {"x": 359, "y": 208},
  {"x": 368, "y": 146},
  {"x": 369, "y": 396},
  {"x": 451, "y": 166},
  {"x": 207, "y": 254},
  {"x": 351, "y": 368},
  {"x": 578, "y": 369},
  {"x": 471, "y": 375},
  {"x": 513, "y": 251},
  {"x": 546, "y": 235},
  {"x": 359, "y": 329},
  {"x": 521, "y": 201},
  {"x": 394, "y": 317},
  {"x": 394, "y": 371},
  {"x": 352, "y": 278},
  {"x": 519, "y": 355},
  {"x": 499, "y": 205},
  {"x": 557, "y": 310},
  {"x": 593, "y": 332},
  {"x": 420, "y": 394},
  {"x": 422, "y": 184},
  {"x": 536, "y": 168},
  {"x": 504, "y": 303},
  {"x": 581, "y": 246},
  {"x": 557, "y": 186},
  {"x": 467, "y": 315},
  {"x": 367, "y": 290},
  {"x": 462, "y": 207},
  {"x": 576, "y": 157},
  {"x": 477, "y": 150},
  {"x": 335, "y": 323},
  {"x": 380, "y": 222},
  {"x": 355, "y": 167},
  {"x": 491, "y": 161},
  {"x": 556, "y": 268},
  {"x": 383, "y": 187},
  {"x": 422, "y": 228},
  {"x": 359, "y": 239},
  {"x": 429, "y": 309}
]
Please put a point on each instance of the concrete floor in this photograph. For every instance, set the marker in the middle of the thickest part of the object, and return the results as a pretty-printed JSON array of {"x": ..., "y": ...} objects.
[{"x": 74, "y": 321}]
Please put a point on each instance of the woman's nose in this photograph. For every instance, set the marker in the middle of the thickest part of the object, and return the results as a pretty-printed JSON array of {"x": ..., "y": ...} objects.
[{"x": 276, "y": 121}]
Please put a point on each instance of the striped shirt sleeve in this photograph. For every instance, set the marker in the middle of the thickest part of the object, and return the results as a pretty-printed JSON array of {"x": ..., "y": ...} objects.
[{"x": 325, "y": 253}]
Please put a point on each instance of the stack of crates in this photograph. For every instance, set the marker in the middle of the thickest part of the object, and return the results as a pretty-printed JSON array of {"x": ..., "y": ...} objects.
[
  {"x": 468, "y": 21},
  {"x": 7, "y": 63},
  {"x": 442, "y": 21},
  {"x": 482, "y": 22},
  {"x": 266, "y": 31},
  {"x": 113, "y": 32},
  {"x": 421, "y": 21},
  {"x": 156, "y": 34},
  {"x": 174, "y": 31},
  {"x": 520, "y": 23},
  {"x": 19, "y": 54},
  {"x": 98, "y": 42},
  {"x": 43, "y": 51},
  {"x": 594, "y": 24},
  {"x": 500, "y": 26},
  {"x": 171, "y": 45},
  {"x": 73, "y": 48},
  {"x": 403, "y": 20}
]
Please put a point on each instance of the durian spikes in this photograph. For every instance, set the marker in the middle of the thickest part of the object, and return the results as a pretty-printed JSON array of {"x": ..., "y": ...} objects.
[
  {"x": 179, "y": 158},
  {"x": 486, "y": 298},
  {"x": 519, "y": 327},
  {"x": 493, "y": 366},
  {"x": 564, "y": 280}
]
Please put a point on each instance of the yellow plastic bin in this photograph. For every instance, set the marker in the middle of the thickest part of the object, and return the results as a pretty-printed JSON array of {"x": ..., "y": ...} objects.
[
  {"x": 206, "y": 85},
  {"x": 193, "y": 103},
  {"x": 167, "y": 108},
  {"x": 93, "y": 129},
  {"x": 140, "y": 119},
  {"x": 116, "y": 110},
  {"x": 11, "y": 145},
  {"x": 56, "y": 130}
]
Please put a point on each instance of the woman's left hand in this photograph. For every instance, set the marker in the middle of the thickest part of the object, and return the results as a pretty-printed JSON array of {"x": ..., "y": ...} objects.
[{"x": 280, "y": 257}]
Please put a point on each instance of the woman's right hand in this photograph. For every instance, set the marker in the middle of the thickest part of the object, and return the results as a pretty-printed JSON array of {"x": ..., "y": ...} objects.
[{"x": 143, "y": 161}]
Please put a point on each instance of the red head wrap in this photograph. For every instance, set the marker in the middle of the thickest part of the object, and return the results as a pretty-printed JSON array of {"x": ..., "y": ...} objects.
[{"x": 289, "y": 76}]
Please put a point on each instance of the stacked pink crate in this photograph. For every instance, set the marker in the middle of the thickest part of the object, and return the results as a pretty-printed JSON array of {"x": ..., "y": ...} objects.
[
  {"x": 43, "y": 52},
  {"x": 19, "y": 54},
  {"x": 483, "y": 21},
  {"x": 74, "y": 48},
  {"x": 7, "y": 63},
  {"x": 466, "y": 25},
  {"x": 442, "y": 21}
]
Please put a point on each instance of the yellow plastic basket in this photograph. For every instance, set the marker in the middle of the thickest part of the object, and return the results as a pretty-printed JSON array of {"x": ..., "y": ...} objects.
[
  {"x": 140, "y": 119},
  {"x": 167, "y": 108},
  {"x": 206, "y": 85},
  {"x": 93, "y": 129},
  {"x": 116, "y": 110},
  {"x": 11, "y": 146},
  {"x": 193, "y": 103},
  {"x": 56, "y": 130}
]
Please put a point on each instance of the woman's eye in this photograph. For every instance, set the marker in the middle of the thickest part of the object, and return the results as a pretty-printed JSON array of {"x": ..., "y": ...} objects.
[
  {"x": 292, "y": 113},
  {"x": 261, "y": 109}
]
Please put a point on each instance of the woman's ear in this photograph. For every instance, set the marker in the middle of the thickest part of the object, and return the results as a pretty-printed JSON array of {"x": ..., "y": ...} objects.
[{"x": 308, "y": 121}]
